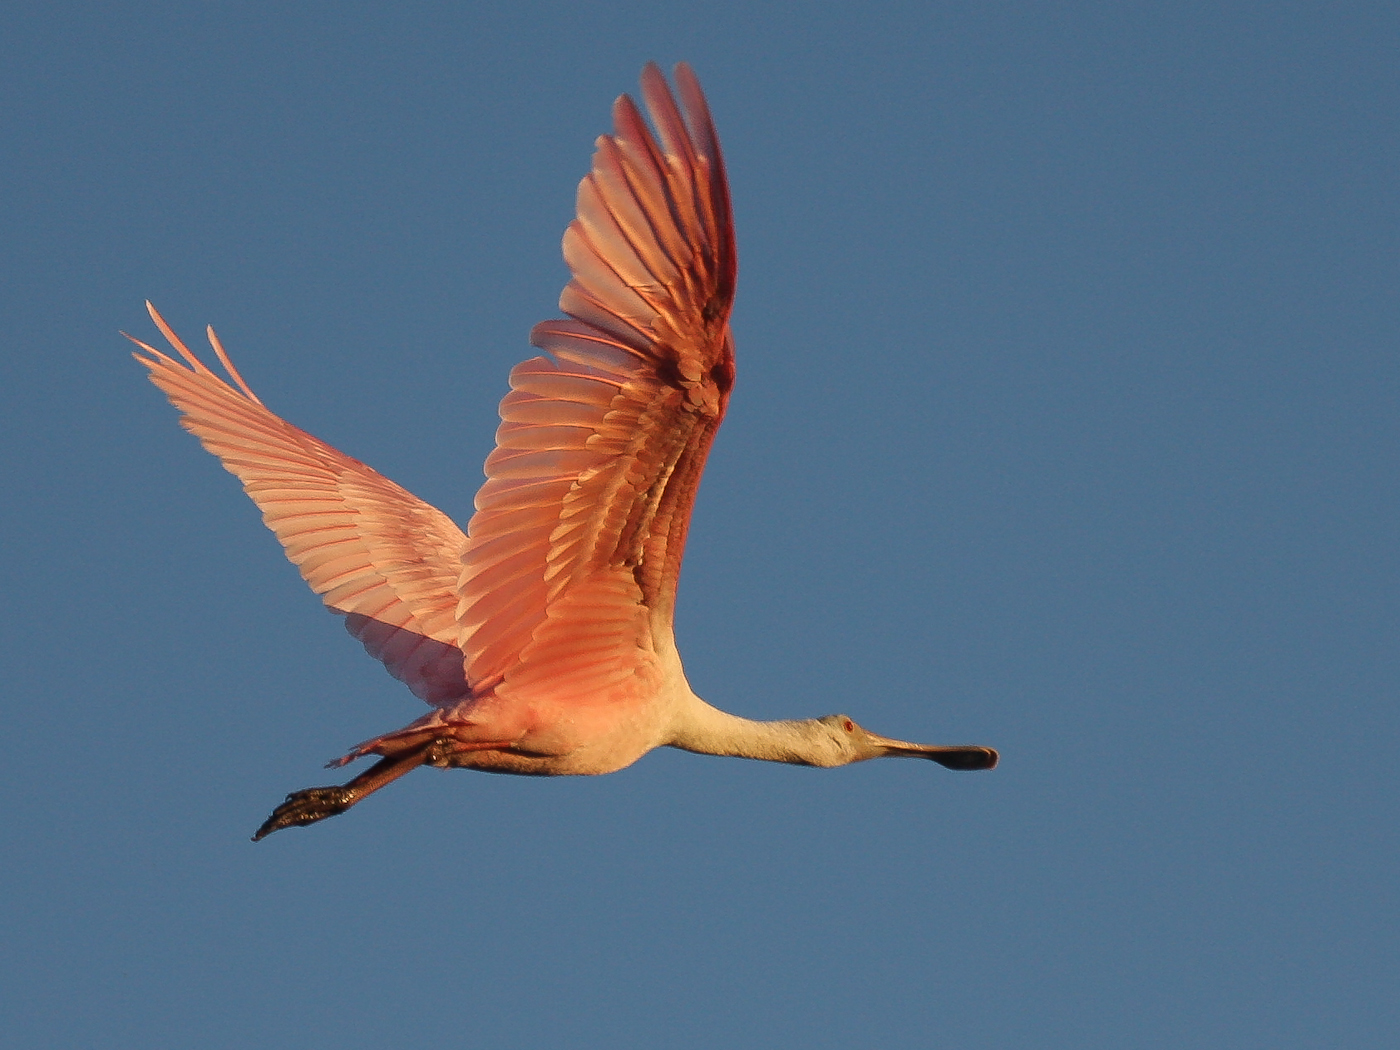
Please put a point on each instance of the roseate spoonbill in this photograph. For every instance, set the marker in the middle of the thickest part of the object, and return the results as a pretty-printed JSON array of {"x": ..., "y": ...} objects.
[{"x": 542, "y": 638}]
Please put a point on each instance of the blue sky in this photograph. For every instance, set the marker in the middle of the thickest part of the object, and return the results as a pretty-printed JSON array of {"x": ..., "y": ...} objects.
[{"x": 1065, "y": 423}]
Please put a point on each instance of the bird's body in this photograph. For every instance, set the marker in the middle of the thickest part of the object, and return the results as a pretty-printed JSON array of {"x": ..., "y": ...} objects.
[{"x": 542, "y": 637}]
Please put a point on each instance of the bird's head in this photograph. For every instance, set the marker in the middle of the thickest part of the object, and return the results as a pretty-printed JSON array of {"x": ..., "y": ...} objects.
[{"x": 855, "y": 744}]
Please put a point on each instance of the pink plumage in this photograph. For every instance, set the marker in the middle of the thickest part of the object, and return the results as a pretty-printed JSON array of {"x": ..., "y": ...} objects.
[{"x": 543, "y": 636}]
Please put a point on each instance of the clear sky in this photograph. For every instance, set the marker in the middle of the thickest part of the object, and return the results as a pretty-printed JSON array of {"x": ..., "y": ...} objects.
[{"x": 1065, "y": 423}]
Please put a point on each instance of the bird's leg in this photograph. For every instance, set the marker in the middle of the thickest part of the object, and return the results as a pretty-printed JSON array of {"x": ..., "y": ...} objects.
[{"x": 312, "y": 804}]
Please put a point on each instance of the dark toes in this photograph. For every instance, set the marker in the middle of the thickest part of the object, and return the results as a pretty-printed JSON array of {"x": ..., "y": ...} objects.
[{"x": 306, "y": 807}]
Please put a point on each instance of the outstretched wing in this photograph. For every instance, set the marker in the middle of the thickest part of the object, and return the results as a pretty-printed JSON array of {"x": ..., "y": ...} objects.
[
  {"x": 575, "y": 548},
  {"x": 374, "y": 552}
]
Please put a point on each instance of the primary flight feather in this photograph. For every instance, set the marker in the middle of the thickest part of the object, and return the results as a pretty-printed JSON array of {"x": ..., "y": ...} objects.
[{"x": 542, "y": 638}]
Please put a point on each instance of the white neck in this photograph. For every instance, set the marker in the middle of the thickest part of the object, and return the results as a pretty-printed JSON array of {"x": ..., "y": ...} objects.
[{"x": 707, "y": 730}]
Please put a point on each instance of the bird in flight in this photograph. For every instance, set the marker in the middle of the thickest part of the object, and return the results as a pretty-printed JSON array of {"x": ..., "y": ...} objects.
[{"x": 542, "y": 638}]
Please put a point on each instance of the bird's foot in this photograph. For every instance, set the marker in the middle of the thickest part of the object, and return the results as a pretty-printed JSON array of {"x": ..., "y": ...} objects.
[
  {"x": 307, "y": 807},
  {"x": 313, "y": 804}
]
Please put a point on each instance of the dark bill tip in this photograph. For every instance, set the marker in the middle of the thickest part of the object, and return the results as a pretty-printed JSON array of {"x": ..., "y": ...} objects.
[{"x": 965, "y": 759}]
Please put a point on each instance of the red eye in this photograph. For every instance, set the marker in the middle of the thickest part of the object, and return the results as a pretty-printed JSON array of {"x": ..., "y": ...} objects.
[{"x": 850, "y": 726}]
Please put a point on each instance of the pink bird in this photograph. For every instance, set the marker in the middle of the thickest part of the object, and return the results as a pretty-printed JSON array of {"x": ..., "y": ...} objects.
[{"x": 542, "y": 638}]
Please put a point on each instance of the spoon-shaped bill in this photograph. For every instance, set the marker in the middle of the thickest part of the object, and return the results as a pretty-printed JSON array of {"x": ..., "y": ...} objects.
[{"x": 962, "y": 757}]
